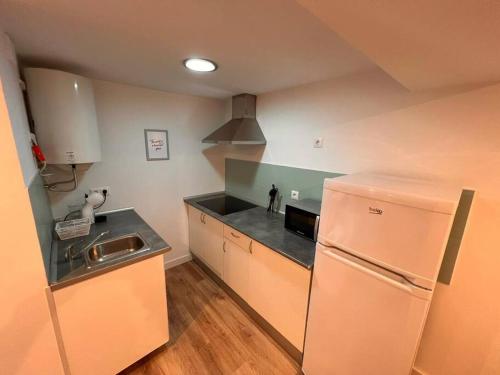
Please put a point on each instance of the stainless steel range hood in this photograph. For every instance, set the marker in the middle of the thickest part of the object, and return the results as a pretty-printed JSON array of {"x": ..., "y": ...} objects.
[{"x": 243, "y": 128}]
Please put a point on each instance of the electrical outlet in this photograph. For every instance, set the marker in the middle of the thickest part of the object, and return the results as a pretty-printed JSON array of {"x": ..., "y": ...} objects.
[
  {"x": 318, "y": 142},
  {"x": 100, "y": 190},
  {"x": 295, "y": 195}
]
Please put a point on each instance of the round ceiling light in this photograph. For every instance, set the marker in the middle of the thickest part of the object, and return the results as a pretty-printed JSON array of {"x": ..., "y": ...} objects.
[{"x": 200, "y": 65}]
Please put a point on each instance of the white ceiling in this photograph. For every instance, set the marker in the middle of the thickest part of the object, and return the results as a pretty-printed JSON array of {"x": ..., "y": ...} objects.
[
  {"x": 423, "y": 44},
  {"x": 259, "y": 45}
]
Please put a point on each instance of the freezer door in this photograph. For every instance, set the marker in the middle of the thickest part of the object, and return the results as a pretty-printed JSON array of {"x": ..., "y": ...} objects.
[
  {"x": 407, "y": 239},
  {"x": 361, "y": 321}
]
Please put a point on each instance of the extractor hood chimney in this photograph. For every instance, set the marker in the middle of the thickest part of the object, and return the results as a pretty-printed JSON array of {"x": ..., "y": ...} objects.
[{"x": 243, "y": 128}]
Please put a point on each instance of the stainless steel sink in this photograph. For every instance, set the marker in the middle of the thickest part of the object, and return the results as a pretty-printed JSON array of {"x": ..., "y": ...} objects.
[{"x": 115, "y": 248}]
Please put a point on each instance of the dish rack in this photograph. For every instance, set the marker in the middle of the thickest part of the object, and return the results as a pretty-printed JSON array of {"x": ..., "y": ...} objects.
[{"x": 73, "y": 228}]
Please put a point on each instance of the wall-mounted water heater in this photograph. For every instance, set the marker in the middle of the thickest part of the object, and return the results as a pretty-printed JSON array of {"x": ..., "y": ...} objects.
[{"x": 63, "y": 108}]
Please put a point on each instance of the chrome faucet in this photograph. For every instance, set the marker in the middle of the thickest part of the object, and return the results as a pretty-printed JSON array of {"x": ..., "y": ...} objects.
[{"x": 72, "y": 254}]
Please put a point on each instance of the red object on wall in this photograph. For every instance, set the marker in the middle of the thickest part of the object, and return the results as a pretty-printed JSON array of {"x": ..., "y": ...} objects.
[{"x": 38, "y": 153}]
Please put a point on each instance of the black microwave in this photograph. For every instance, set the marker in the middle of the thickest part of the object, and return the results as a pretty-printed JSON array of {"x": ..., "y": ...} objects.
[{"x": 302, "y": 218}]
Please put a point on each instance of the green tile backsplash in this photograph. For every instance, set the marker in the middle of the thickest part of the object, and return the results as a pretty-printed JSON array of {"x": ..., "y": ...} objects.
[{"x": 252, "y": 181}]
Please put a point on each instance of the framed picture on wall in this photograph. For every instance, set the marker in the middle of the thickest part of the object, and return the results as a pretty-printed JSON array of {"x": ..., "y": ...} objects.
[{"x": 156, "y": 144}]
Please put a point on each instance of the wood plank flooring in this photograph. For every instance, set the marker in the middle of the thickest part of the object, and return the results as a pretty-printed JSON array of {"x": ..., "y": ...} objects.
[{"x": 210, "y": 333}]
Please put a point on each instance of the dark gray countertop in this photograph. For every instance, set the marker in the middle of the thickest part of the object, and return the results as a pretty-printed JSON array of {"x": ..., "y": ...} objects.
[
  {"x": 268, "y": 229},
  {"x": 118, "y": 223}
]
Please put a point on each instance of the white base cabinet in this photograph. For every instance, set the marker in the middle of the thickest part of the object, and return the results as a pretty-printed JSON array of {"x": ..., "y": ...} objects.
[
  {"x": 279, "y": 292},
  {"x": 196, "y": 232},
  {"x": 205, "y": 239},
  {"x": 237, "y": 268},
  {"x": 110, "y": 321},
  {"x": 274, "y": 286}
]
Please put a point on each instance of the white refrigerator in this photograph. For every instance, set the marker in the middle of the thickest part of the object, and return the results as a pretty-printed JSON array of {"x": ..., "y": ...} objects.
[{"x": 380, "y": 246}]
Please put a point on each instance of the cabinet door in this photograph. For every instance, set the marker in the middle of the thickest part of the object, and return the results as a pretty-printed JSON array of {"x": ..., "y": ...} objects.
[
  {"x": 213, "y": 254},
  {"x": 110, "y": 321},
  {"x": 236, "y": 268},
  {"x": 279, "y": 292},
  {"x": 196, "y": 231}
]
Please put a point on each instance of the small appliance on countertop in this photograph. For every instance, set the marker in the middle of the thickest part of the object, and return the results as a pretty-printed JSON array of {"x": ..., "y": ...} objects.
[
  {"x": 302, "y": 218},
  {"x": 92, "y": 202}
]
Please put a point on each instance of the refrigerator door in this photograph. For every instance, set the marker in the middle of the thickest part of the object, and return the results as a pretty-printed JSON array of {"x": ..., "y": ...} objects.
[
  {"x": 361, "y": 320},
  {"x": 409, "y": 240}
]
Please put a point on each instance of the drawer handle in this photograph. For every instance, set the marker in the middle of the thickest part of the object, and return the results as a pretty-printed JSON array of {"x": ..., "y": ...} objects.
[{"x": 234, "y": 235}]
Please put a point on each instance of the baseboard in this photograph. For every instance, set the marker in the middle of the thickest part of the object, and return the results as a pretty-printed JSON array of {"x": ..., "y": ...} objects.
[{"x": 176, "y": 261}]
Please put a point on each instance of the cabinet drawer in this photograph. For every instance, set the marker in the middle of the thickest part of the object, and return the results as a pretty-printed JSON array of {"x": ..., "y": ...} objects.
[{"x": 237, "y": 237}]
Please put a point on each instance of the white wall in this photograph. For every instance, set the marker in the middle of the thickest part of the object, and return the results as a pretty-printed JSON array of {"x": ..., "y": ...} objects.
[
  {"x": 154, "y": 188},
  {"x": 370, "y": 123},
  {"x": 9, "y": 76}
]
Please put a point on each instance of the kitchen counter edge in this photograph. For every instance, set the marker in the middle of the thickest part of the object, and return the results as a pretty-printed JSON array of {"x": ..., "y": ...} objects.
[
  {"x": 193, "y": 201},
  {"x": 158, "y": 247}
]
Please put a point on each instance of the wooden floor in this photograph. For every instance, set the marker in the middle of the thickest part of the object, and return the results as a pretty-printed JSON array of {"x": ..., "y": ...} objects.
[{"x": 210, "y": 334}]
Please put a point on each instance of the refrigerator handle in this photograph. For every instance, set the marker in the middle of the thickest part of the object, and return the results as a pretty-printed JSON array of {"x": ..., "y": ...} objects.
[{"x": 399, "y": 284}]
